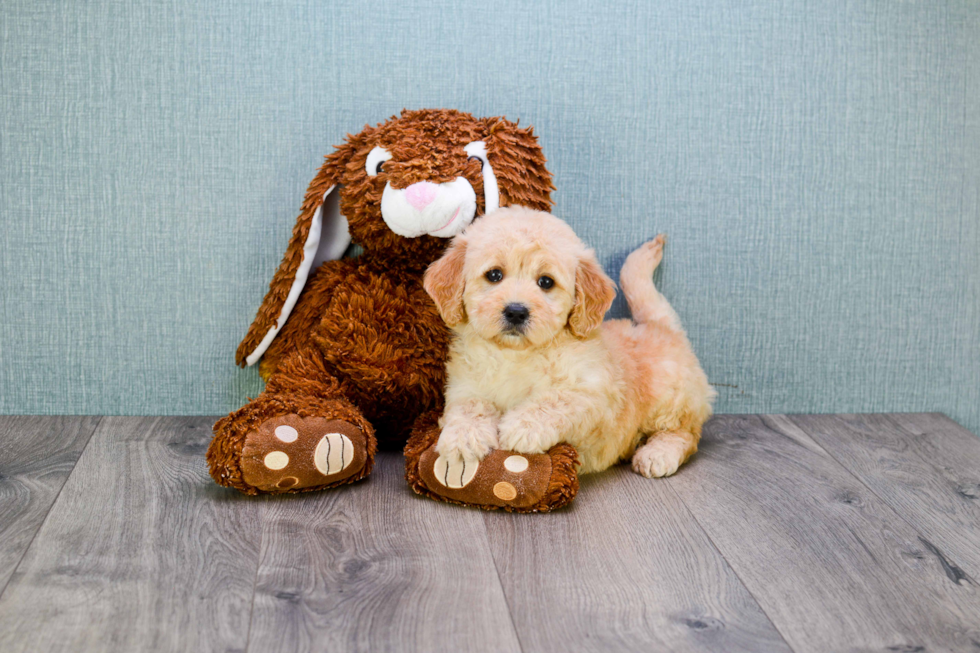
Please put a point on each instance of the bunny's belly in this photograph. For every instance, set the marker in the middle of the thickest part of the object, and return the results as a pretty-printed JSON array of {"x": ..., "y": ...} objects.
[{"x": 384, "y": 341}]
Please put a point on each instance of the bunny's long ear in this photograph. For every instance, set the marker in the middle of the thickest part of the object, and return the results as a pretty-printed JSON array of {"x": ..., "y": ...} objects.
[
  {"x": 519, "y": 165},
  {"x": 320, "y": 235}
]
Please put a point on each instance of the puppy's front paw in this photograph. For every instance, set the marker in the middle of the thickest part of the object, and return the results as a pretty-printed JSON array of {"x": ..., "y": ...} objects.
[
  {"x": 523, "y": 435},
  {"x": 660, "y": 458},
  {"x": 466, "y": 441}
]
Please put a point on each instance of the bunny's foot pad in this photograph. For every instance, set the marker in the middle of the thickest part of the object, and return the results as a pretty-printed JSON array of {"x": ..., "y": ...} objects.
[
  {"x": 502, "y": 480},
  {"x": 289, "y": 453}
]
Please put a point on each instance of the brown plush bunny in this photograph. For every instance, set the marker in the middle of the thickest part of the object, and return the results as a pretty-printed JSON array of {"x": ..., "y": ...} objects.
[{"x": 353, "y": 350}]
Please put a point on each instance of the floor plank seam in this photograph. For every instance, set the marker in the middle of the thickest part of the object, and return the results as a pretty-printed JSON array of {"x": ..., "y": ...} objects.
[
  {"x": 728, "y": 562},
  {"x": 500, "y": 584},
  {"x": 854, "y": 533},
  {"x": 940, "y": 554},
  {"x": 57, "y": 496},
  {"x": 255, "y": 584}
]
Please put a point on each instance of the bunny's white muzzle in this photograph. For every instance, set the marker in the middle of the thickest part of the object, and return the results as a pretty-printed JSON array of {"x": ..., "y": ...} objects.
[{"x": 424, "y": 208}]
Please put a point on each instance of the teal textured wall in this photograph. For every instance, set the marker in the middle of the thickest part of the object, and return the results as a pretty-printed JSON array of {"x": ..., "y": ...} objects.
[{"x": 816, "y": 166}]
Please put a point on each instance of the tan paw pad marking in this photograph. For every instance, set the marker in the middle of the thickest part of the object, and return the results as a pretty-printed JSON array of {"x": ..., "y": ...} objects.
[
  {"x": 504, "y": 491},
  {"x": 287, "y": 453},
  {"x": 276, "y": 460},
  {"x": 333, "y": 453},
  {"x": 456, "y": 475},
  {"x": 516, "y": 464}
]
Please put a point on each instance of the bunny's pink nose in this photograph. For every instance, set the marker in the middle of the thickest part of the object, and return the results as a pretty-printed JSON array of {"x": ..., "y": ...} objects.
[{"x": 420, "y": 195}]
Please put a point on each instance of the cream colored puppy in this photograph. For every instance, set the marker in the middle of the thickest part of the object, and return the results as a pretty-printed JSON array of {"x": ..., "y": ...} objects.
[{"x": 532, "y": 364}]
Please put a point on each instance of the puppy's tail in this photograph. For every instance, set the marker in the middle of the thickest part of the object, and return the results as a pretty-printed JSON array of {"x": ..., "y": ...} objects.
[{"x": 636, "y": 279}]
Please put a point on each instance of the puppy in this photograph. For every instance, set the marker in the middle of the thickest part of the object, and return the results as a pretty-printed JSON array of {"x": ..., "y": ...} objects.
[{"x": 532, "y": 364}]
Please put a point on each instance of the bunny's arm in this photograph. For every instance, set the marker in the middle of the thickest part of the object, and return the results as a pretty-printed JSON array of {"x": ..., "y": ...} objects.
[
  {"x": 383, "y": 333},
  {"x": 316, "y": 297}
]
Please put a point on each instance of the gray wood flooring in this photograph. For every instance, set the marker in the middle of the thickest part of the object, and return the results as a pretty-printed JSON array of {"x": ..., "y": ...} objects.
[{"x": 785, "y": 533}]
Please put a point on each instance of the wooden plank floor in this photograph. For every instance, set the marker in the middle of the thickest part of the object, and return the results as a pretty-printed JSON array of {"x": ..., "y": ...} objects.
[{"x": 803, "y": 533}]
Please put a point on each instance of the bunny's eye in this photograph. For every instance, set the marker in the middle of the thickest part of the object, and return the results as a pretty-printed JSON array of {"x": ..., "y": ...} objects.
[
  {"x": 477, "y": 159},
  {"x": 375, "y": 161},
  {"x": 494, "y": 275}
]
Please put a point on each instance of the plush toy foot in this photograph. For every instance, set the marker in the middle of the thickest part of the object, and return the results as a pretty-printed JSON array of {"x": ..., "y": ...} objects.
[
  {"x": 271, "y": 446},
  {"x": 290, "y": 453},
  {"x": 502, "y": 480}
]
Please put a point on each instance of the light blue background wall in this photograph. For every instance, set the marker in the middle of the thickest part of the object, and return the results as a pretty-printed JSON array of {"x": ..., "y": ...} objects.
[{"x": 816, "y": 166}]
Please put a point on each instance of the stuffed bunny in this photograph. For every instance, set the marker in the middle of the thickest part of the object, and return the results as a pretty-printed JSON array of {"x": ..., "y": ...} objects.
[{"x": 353, "y": 350}]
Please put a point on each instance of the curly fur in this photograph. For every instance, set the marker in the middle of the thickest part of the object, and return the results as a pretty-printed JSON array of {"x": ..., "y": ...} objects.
[
  {"x": 364, "y": 342},
  {"x": 560, "y": 377}
]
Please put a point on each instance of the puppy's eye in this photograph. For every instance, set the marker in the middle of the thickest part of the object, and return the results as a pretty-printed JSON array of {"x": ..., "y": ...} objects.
[
  {"x": 494, "y": 275},
  {"x": 375, "y": 161},
  {"x": 477, "y": 159},
  {"x": 545, "y": 282}
]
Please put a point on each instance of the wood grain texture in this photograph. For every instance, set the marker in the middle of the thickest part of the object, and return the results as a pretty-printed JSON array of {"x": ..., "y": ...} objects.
[
  {"x": 813, "y": 532},
  {"x": 925, "y": 466},
  {"x": 626, "y": 567},
  {"x": 142, "y": 551},
  {"x": 37, "y": 455},
  {"x": 833, "y": 566},
  {"x": 373, "y": 567}
]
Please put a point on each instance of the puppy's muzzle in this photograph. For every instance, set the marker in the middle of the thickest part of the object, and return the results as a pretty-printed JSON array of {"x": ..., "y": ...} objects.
[{"x": 516, "y": 316}]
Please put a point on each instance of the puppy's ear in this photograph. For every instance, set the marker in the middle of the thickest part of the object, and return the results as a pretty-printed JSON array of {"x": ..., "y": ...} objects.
[
  {"x": 444, "y": 283},
  {"x": 594, "y": 294}
]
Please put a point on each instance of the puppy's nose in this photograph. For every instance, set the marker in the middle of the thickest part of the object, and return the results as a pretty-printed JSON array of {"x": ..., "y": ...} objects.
[
  {"x": 421, "y": 194},
  {"x": 516, "y": 314}
]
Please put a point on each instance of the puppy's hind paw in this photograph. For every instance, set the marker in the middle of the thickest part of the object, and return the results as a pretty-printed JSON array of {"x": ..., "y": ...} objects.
[
  {"x": 661, "y": 457},
  {"x": 655, "y": 464}
]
